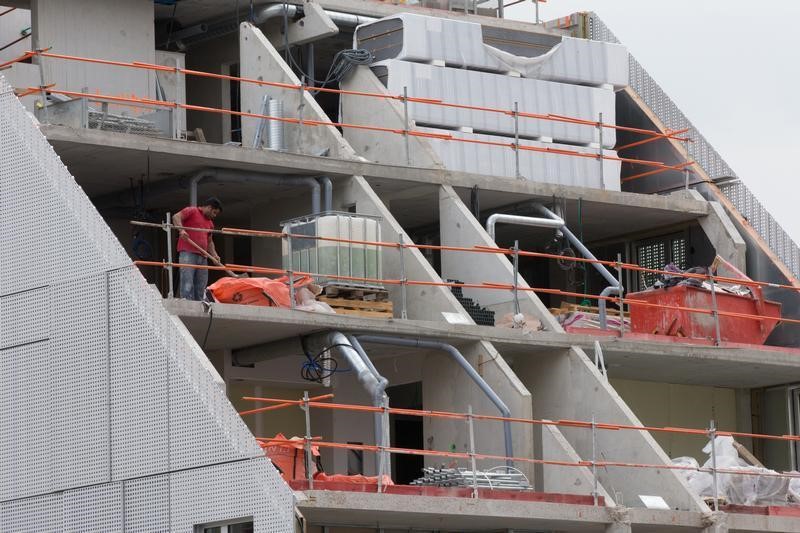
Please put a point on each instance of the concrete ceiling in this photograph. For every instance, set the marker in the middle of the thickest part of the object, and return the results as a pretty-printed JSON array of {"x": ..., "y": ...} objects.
[{"x": 236, "y": 326}]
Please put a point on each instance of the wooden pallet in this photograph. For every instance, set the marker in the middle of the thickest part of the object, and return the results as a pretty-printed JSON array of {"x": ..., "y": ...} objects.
[
  {"x": 366, "y": 308},
  {"x": 569, "y": 307},
  {"x": 355, "y": 293}
]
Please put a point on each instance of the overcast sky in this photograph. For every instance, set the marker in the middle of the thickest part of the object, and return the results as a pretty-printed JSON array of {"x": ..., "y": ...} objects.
[{"x": 733, "y": 67}]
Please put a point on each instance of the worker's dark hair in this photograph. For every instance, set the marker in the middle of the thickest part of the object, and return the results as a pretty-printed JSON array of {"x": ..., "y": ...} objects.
[{"x": 213, "y": 202}]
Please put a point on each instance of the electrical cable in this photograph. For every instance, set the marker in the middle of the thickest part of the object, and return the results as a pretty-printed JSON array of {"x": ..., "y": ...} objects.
[
  {"x": 319, "y": 367},
  {"x": 208, "y": 329}
]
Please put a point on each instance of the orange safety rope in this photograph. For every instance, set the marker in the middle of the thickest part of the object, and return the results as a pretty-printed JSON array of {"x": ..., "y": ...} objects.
[
  {"x": 485, "y": 285},
  {"x": 429, "y": 101},
  {"x": 496, "y": 418},
  {"x": 478, "y": 249},
  {"x": 309, "y": 122},
  {"x": 484, "y": 456}
]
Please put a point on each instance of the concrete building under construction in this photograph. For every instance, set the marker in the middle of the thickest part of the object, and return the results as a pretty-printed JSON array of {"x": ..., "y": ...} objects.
[{"x": 476, "y": 274}]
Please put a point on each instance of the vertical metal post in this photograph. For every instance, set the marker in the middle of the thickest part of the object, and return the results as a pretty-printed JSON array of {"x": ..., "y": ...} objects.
[
  {"x": 301, "y": 107},
  {"x": 168, "y": 229},
  {"x": 714, "y": 310},
  {"x": 403, "y": 295},
  {"x": 307, "y": 441},
  {"x": 600, "y": 150},
  {"x": 407, "y": 124},
  {"x": 386, "y": 468},
  {"x": 42, "y": 83},
  {"x": 686, "y": 178},
  {"x": 473, "y": 465},
  {"x": 621, "y": 297},
  {"x": 536, "y": 3},
  {"x": 500, "y": 9},
  {"x": 516, "y": 274},
  {"x": 594, "y": 459},
  {"x": 290, "y": 270},
  {"x": 712, "y": 436},
  {"x": 516, "y": 139}
]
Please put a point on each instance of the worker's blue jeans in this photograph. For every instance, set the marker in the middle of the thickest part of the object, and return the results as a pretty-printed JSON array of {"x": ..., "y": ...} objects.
[{"x": 193, "y": 280}]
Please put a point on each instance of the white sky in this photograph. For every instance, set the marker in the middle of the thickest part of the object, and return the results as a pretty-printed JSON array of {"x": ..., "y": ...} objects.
[{"x": 733, "y": 67}]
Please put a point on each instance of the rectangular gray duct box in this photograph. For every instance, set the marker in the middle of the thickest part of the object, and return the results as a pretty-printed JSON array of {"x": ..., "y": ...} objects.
[
  {"x": 424, "y": 39},
  {"x": 483, "y": 89},
  {"x": 534, "y": 166}
]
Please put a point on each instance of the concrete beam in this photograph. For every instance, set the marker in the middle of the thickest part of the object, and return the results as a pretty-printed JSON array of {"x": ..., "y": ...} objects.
[
  {"x": 260, "y": 60},
  {"x": 721, "y": 232}
]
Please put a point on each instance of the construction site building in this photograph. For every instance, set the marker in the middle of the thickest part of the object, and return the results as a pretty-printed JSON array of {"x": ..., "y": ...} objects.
[{"x": 483, "y": 230}]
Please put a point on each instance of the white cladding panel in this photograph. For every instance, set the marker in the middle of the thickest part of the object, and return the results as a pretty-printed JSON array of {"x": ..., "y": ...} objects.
[
  {"x": 534, "y": 166},
  {"x": 459, "y": 43},
  {"x": 500, "y": 92}
]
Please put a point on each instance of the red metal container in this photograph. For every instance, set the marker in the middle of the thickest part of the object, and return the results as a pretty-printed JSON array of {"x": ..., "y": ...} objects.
[{"x": 675, "y": 322}]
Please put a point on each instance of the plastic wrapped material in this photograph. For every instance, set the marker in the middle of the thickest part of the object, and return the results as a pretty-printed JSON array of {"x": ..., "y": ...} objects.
[
  {"x": 306, "y": 300},
  {"x": 747, "y": 488},
  {"x": 584, "y": 319}
]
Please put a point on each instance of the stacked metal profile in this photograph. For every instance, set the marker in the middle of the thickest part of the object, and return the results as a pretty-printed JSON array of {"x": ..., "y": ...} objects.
[
  {"x": 574, "y": 78},
  {"x": 461, "y": 477},
  {"x": 481, "y": 315},
  {"x": 142, "y": 419}
]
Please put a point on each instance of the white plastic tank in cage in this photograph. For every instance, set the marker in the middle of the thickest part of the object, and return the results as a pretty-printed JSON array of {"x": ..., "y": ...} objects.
[{"x": 332, "y": 261}]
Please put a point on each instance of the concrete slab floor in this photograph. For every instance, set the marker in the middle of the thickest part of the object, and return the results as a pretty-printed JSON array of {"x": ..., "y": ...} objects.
[
  {"x": 104, "y": 162},
  {"x": 237, "y": 326}
]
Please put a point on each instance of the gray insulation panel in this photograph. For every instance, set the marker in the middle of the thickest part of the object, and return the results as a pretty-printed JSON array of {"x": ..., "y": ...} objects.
[
  {"x": 498, "y": 91},
  {"x": 425, "y": 39},
  {"x": 534, "y": 166}
]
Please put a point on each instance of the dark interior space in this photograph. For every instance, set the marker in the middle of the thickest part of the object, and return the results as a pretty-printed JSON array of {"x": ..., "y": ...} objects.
[{"x": 406, "y": 432}]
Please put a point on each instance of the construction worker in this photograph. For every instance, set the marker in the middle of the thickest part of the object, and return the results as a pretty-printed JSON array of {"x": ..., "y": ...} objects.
[{"x": 196, "y": 247}]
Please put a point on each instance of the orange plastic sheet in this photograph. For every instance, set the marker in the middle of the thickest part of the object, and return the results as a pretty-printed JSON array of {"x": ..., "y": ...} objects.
[
  {"x": 264, "y": 292},
  {"x": 288, "y": 455}
]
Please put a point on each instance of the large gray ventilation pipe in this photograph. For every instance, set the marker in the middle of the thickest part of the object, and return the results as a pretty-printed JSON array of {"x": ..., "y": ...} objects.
[
  {"x": 209, "y": 30},
  {"x": 224, "y": 175},
  {"x": 453, "y": 352},
  {"x": 520, "y": 221},
  {"x": 370, "y": 379},
  {"x": 347, "y": 20}
]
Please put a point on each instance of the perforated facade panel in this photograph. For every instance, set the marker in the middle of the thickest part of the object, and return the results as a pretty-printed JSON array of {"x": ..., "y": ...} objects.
[
  {"x": 701, "y": 151},
  {"x": 134, "y": 394}
]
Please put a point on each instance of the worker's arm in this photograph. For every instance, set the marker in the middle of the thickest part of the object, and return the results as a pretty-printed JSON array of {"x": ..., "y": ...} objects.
[
  {"x": 212, "y": 249},
  {"x": 177, "y": 220}
]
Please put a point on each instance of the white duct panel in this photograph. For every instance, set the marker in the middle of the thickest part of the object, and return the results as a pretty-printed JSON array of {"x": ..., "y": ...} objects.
[
  {"x": 424, "y": 39},
  {"x": 573, "y": 60},
  {"x": 534, "y": 166},
  {"x": 496, "y": 91}
]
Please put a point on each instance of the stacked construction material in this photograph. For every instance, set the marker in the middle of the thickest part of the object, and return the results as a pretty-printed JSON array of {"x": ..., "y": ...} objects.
[
  {"x": 462, "y": 63},
  {"x": 481, "y": 315},
  {"x": 498, "y": 478}
]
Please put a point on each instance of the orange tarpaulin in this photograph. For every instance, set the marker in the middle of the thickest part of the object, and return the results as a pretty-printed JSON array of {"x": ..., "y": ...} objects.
[
  {"x": 265, "y": 292},
  {"x": 290, "y": 457}
]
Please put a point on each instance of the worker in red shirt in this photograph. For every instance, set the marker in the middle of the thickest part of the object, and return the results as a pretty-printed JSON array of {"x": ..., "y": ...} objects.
[{"x": 194, "y": 245}]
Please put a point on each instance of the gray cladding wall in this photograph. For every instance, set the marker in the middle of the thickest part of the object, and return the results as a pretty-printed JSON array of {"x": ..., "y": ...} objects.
[{"x": 111, "y": 417}]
